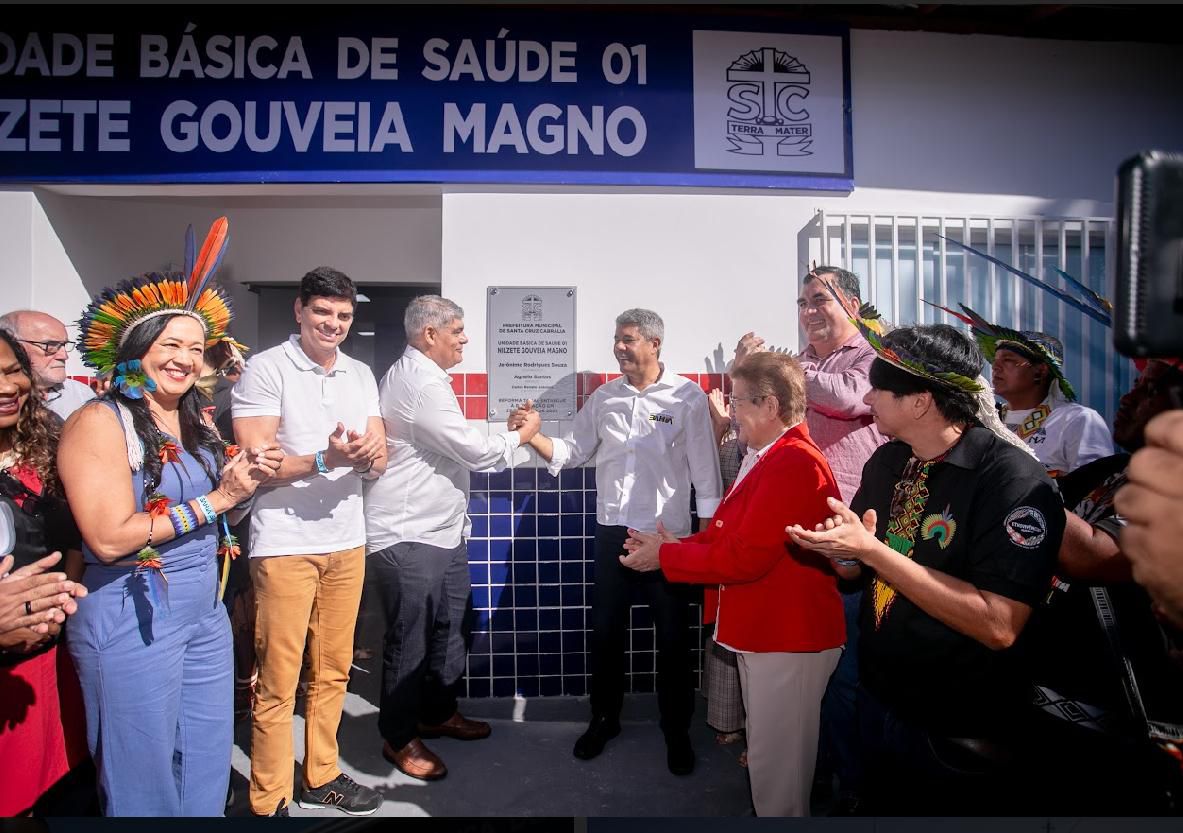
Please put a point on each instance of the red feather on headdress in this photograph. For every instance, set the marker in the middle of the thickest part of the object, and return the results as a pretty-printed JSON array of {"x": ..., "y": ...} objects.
[
  {"x": 959, "y": 316},
  {"x": 207, "y": 261}
]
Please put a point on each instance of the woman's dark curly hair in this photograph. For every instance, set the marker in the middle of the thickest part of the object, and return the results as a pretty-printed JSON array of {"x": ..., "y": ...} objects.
[
  {"x": 195, "y": 433},
  {"x": 37, "y": 430}
]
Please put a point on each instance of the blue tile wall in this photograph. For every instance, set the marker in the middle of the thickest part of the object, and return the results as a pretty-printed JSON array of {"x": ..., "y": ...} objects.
[{"x": 531, "y": 558}]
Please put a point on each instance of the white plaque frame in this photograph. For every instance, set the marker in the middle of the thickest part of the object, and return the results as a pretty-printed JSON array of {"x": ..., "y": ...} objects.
[{"x": 531, "y": 350}]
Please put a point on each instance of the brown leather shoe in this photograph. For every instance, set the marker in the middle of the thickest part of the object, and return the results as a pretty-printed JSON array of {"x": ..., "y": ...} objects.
[
  {"x": 457, "y": 726},
  {"x": 416, "y": 760}
]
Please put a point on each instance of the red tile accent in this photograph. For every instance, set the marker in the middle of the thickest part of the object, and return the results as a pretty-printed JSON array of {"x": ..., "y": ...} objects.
[
  {"x": 476, "y": 407},
  {"x": 592, "y": 381},
  {"x": 713, "y": 380},
  {"x": 458, "y": 384},
  {"x": 608, "y": 377},
  {"x": 476, "y": 383}
]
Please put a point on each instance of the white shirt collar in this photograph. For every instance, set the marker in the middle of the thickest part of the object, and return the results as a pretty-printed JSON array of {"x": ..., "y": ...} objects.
[
  {"x": 420, "y": 358},
  {"x": 301, "y": 360}
]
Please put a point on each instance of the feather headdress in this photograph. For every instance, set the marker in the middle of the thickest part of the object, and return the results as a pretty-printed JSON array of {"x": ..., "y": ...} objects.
[
  {"x": 872, "y": 327},
  {"x": 1036, "y": 346},
  {"x": 112, "y": 315}
]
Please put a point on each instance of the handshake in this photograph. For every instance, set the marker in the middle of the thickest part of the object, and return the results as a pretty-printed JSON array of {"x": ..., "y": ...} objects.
[{"x": 525, "y": 420}]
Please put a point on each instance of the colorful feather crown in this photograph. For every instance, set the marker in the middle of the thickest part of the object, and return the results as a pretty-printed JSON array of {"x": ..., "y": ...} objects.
[
  {"x": 112, "y": 315},
  {"x": 872, "y": 327},
  {"x": 1031, "y": 344}
]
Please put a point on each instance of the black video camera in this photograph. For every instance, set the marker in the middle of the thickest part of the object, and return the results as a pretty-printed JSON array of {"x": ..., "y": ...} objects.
[{"x": 1148, "y": 298}]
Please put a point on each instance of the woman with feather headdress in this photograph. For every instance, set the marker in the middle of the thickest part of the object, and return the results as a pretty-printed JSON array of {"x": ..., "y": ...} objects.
[{"x": 147, "y": 480}]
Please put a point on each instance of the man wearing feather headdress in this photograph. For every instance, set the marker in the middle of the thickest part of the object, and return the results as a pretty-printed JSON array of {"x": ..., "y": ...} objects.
[
  {"x": 955, "y": 530},
  {"x": 1041, "y": 406}
]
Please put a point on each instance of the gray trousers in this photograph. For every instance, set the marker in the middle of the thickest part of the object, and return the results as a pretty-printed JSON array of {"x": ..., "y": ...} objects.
[
  {"x": 425, "y": 595},
  {"x": 782, "y": 696}
]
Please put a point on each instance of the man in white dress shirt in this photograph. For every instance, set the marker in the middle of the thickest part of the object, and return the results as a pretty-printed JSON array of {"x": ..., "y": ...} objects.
[
  {"x": 417, "y": 528},
  {"x": 51, "y": 346},
  {"x": 650, "y": 432}
]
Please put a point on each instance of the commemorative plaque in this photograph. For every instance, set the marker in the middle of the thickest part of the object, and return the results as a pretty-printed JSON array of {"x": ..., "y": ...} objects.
[{"x": 531, "y": 350}]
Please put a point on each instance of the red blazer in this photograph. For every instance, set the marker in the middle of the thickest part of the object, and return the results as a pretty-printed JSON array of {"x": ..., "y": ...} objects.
[{"x": 773, "y": 596}]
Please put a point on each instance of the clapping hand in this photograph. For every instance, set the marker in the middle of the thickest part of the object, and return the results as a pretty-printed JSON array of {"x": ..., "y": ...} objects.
[
  {"x": 842, "y": 536},
  {"x": 34, "y": 603},
  {"x": 749, "y": 343},
  {"x": 644, "y": 548},
  {"x": 353, "y": 449}
]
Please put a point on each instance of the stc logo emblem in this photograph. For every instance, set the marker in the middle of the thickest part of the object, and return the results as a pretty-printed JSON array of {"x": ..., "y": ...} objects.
[{"x": 767, "y": 91}]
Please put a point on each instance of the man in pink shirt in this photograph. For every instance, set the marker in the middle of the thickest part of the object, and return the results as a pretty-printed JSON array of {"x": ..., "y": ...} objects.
[{"x": 836, "y": 362}]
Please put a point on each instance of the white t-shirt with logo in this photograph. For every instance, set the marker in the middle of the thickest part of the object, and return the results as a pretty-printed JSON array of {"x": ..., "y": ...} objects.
[
  {"x": 321, "y": 513},
  {"x": 1064, "y": 439}
]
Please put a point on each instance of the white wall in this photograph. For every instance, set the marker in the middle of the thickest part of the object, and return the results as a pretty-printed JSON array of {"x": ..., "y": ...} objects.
[
  {"x": 16, "y": 242},
  {"x": 992, "y": 115},
  {"x": 79, "y": 245},
  {"x": 693, "y": 259}
]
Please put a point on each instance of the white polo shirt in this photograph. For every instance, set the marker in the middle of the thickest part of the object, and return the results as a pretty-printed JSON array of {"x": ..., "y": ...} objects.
[
  {"x": 422, "y": 496},
  {"x": 321, "y": 513},
  {"x": 650, "y": 446}
]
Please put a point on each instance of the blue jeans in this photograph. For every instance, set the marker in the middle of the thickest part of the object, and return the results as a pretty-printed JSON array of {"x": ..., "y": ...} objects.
[
  {"x": 839, "y": 747},
  {"x": 158, "y": 686}
]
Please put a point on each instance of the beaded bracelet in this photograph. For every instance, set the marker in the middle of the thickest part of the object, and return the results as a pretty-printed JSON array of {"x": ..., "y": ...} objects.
[
  {"x": 208, "y": 508},
  {"x": 183, "y": 519}
]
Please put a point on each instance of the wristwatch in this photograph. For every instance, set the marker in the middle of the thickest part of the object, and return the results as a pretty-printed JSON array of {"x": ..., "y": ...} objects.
[{"x": 320, "y": 463}]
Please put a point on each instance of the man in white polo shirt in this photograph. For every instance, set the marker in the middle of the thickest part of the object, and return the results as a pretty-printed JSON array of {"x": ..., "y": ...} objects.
[
  {"x": 308, "y": 540},
  {"x": 417, "y": 528},
  {"x": 650, "y": 432}
]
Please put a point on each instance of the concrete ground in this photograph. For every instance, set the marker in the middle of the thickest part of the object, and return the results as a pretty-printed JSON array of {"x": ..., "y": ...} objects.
[{"x": 526, "y": 768}]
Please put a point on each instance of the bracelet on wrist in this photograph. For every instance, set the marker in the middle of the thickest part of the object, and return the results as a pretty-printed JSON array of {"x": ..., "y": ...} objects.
[
  {"x": 319, "y": 459},
  {"x": 207, "y": 509}
]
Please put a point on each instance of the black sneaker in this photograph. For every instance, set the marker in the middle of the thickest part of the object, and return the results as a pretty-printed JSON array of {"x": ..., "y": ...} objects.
[
  {"x": 344, "y": 794},
  {"x": 281, "y": 810}
]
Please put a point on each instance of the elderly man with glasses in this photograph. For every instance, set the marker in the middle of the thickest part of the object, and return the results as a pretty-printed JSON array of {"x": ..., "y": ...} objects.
[{"x": 45, "y": 339}]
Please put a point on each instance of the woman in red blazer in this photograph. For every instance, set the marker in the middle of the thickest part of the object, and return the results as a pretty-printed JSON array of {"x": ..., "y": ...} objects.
[{"x": 779, "y": 607}]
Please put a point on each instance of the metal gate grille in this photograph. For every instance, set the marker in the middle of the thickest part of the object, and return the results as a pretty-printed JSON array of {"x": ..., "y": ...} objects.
[{"x": 905, "y": 259}]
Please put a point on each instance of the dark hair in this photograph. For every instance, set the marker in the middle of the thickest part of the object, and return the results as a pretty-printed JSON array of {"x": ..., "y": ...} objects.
[
  {"x": 37, "y": 430},
  {"x": 846, "y": 281},
  {"x": 775, "y": 374},
  {"x": 195, "y": 433},
  {"x": 934, "y": 346},
  {"x": 325, "y": 282}
]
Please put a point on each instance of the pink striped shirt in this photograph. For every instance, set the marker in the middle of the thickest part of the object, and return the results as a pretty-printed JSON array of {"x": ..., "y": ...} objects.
[{"x": 838, "y": 421}]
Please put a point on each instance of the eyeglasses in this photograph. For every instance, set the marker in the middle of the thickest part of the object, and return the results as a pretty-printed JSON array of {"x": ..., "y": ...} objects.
[
  {"x": 49, "y": 348},
  {"x": 732, "y": 399}
]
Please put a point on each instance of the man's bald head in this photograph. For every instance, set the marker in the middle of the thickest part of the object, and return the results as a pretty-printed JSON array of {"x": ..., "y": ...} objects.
[{"x": 44, "y": 338}]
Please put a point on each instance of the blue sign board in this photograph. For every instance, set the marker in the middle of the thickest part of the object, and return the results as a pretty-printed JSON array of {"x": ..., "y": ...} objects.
[{"x": 581, "y": 95}]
